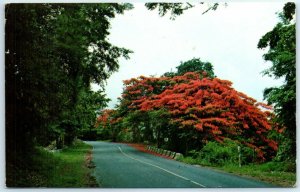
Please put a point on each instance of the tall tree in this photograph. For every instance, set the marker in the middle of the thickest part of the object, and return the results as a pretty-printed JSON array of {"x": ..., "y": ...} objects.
[
  {"x": 281, "y": 44},
  {"x": 196, "y": 65},
  {"x": 206, "y": 108},
  {"x": 52, "y": 54},
  {"x": 206, "y": 69}
]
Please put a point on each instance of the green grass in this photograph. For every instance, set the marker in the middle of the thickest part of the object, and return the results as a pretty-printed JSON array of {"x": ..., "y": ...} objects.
[
  {"x": 67, "y": 168},
  {"x": 278, "y": 173},
  {"x": 280, "y": 178}
]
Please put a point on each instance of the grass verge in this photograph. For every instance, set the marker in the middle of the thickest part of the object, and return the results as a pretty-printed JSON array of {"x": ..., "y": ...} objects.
[
  {"x": 70, "y": 167},
  {"x": 272, "y": 172}
]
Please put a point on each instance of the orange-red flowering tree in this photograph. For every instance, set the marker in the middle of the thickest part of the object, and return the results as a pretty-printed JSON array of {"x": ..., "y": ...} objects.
[
  {"x": 209, "y": 106},
  {"x": 107, "y": 122}
]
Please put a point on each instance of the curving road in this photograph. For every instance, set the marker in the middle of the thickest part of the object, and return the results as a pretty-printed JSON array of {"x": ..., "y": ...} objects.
[{"x": 121, "y": 166}]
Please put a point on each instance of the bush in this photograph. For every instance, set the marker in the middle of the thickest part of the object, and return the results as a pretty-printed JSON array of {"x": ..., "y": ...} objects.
[
  {"x": 103, "y": 133},
  {"x": 219, "y": 154},
  {"x": 125, "y": 136},
  {"x": 278, "y": 166},
  {"x": 66, "y": 168}
]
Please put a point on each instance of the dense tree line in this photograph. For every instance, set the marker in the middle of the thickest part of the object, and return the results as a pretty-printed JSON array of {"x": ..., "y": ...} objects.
[
  {"x": 53, "y": 52},
  {"x": 185, "y": 110},
  {"x": 145, "y": 104},
  {"x": 281, "y": 44}
]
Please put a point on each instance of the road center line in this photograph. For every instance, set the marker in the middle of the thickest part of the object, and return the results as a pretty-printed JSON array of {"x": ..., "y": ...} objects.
[{"x": 158, "y": 167}]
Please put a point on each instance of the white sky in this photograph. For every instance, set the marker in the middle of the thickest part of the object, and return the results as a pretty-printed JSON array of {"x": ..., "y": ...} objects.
[{"x": 226, "y": 37}]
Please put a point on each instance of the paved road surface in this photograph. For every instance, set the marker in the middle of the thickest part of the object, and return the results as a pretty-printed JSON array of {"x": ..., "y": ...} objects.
[{"x": 121, "y": 166}]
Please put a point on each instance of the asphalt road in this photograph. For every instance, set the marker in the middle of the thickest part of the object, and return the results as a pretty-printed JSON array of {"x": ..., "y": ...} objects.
[{"x": 121, "y": 166}]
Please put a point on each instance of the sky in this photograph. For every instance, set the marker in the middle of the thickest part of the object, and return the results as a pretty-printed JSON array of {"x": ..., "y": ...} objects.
[{"x": 226, "y": 37}]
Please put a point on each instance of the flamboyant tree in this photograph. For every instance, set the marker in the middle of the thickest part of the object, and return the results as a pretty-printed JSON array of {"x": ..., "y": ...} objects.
[
  {"x": 107, "y": 122},
  {"x": 106, "y": 118},
  {"x": 208, "y": 105}
]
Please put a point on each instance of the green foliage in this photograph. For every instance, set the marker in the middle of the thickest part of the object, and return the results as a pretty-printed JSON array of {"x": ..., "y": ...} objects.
[
  {"x": 161, "y": 128},
  {"x": 183, "y": 112},
  {"x": 289, "y": 11},
  {"x": 176, "y": 9},
  {"x": 281, "y": 42},
  {"x": 52, "y": 54},
  {"x": 286, "y": 144},
  {"x": 277, "y": 173},
  {"x": 125, "y": 136},
  {"x": 89, "y": 103},
  {"x": 218, "y": 154},
  {"x": 104, "y": 133},
  {"x": 278, "y": 166},
  {"x": 196, "y": 65},
  {"x": 215, "y": 154},
  {"x": 272, "y": 172},
  {"x": 134, "y": 124},
  {"x": 53, "y": 169},
  {"x": 205, "y": 69}
]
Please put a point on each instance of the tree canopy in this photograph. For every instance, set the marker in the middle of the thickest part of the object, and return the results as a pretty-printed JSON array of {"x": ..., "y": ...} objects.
[
  {"x": 193, "y": 65},
  {"x": 196, "y": 65},
  {"x": 195, "y": 105},
  {"x": 52, "y": 54},
  {"x": 176, "y": 9},
  {"x": 281, "y": 44}
]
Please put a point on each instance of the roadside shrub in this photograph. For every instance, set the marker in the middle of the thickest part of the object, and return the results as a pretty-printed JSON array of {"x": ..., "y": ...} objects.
[
  {"x": 103, "y": 134},
  {"x": 278, "y": 166},
  {"x": 219, "y": 154},
  {"x": 124, "y": 136}
]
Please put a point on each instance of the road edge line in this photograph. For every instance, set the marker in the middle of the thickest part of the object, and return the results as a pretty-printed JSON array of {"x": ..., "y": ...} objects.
[{"x": 158, "y": 167}]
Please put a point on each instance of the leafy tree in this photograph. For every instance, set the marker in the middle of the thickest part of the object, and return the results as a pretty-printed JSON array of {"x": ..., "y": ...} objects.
[
  {"x": 193, "y": 65},
  {"x": 52, "y": 54},
  {"x": 196, "y": 65},
  {"x": 209, "y": 107},
  {"x": 86, "y": 110},
  {"x": 281, "y": 44},
  {"x": 108, "y": 121},
  {"x": 135, "y": 123},
  {"x": 160, "y": 126}
]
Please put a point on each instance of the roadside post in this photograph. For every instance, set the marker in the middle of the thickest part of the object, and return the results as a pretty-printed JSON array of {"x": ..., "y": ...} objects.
[{"x": 239, "y": 150}]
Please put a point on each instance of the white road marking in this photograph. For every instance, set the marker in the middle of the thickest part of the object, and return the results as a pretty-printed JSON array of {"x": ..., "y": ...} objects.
[{"x": 158, "y": 167}]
